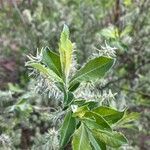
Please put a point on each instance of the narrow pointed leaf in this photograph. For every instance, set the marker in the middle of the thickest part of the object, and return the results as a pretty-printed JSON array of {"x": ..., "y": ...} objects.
[
  {"x": 128, "y": 118},
  {"x": 65, "y": 50},
  {"x": 74, "y": 87},
  {"x": 52, "y": 60},
  {"x": 68, "y": 97},
  {"x": 67, "y": 129},
  {"x": 97, "y": 144},
  {"x": 93, "y": 120},
  {"x": 110, "y": 115},
  {"x": 83, "y": 102},
  {"x": 94, "y": 69},
  {"x": 80, "y": 139},
  {"x": 113, "y": 139},
  {"x": 45, "y": 71}
]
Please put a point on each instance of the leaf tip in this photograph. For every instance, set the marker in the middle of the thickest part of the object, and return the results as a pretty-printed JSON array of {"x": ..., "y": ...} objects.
[{"x": 66, "y": 30}]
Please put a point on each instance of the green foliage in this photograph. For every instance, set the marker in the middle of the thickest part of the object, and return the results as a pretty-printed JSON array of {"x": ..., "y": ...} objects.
[
  {"x": 45, "y": 71},
  {"x": 95, "y": 142},
  {"x": 67, "y": 129},
  {"x": 65, "y": 50},
  {"x": 80, "y": 139},
  {"x": 88, "y": 123},
  {"x": 52, "y": 60},
  {"x": 98, "y": 28},
  {"x": 94, "y": 69},
  {"x": 109, "y": 114},
  {"x": 112, "y": 139},
  {"x": 22, "y": 109}
]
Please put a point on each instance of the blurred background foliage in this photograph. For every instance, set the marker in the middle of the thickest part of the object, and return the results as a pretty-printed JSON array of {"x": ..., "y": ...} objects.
[{"x": 118, "y": 28}]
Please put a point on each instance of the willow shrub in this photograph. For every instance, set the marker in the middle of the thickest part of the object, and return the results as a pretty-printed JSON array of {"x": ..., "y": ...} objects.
[{"x": 87, "y": 124}]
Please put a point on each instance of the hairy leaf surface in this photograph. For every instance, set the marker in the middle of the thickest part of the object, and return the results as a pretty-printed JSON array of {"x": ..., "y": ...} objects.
[
  {"x": 65, "y": 50},
  {"x": 45, "y": 71}
]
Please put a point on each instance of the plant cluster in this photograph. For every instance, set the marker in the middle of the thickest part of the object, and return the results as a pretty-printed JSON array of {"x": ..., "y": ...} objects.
[
  {"x": 98, "y": 28},
  {"x": 88, "y": 124}
]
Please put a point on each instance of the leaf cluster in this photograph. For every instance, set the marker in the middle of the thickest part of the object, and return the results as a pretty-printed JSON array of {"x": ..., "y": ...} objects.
[{"x": 89, "y": 124}]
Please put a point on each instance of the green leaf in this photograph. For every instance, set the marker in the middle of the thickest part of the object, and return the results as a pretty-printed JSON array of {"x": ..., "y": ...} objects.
[
  {"x": 127, "y": 119},
  {"x": 126, "y": 31},
  {"x": 22, "y": 108},
  {"x": 67, "y": 129},
  {"x": 96, "y": 143},
  {"x": 83, "y": 102},
  {"x": 110, "y": 115},
  {"x": 80, "y": 139},
  {"x": 120, "y": 45},
  {"x": 81, "y": 111},
  {"x": 91, "y": 104},
  {"x": 45, "y": 71},
  {"x": 74, "y": 87},
  {"x": 79, "y": 102},
  {"x": 95, "y": 121},
  {"x": 127, "y": 2},
  {"x": 52, "y": 60},
  {"x": 113, "y": 139},
  {"x": 68, "y": 97},
  {"x": 110, "y": 32},
  {"x": 65, "y": 50},
  {"x": 94, "y": 69},
  {"x": 15, "y": 88}
]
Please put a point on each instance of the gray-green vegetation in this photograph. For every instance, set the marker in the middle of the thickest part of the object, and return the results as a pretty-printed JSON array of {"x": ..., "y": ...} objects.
[{"x": 65, "y": 81}]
